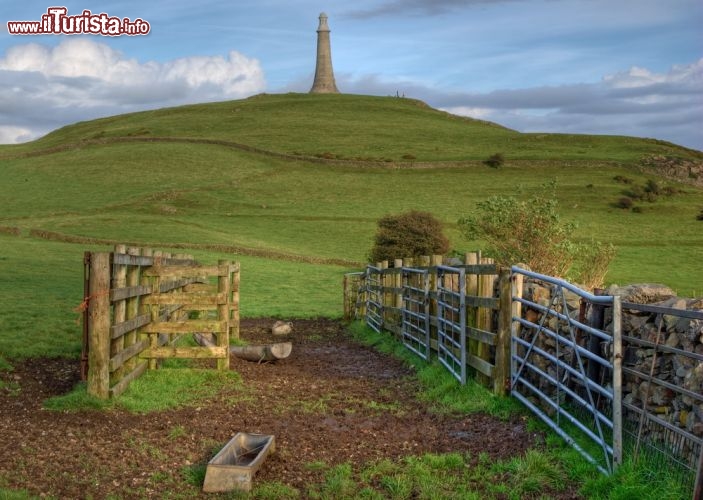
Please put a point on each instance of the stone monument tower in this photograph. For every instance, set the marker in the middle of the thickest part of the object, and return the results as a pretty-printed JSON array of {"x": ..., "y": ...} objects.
[{"x": 324, "y": 76}]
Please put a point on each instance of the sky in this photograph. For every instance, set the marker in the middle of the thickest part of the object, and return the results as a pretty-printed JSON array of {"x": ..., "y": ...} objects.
[{"x": 615, "y": 67}]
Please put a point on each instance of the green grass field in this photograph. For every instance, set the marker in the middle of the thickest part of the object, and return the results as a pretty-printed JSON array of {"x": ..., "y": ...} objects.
[{"x": 103, "y": 179}]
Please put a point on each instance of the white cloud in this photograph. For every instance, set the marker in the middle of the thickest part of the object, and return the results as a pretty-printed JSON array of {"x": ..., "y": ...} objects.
[
  {"x": 13, "y": 135},
  {"x": 43, "y": 87},
  {"x": 691, "y": 74}
]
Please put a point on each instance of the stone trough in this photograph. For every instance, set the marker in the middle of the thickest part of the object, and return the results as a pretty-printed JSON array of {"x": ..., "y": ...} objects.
[{"x": 235, "y": 465}]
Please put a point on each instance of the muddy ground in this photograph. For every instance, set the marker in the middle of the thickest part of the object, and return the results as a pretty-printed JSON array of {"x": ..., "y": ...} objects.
[{"x": 331, "y": 401}]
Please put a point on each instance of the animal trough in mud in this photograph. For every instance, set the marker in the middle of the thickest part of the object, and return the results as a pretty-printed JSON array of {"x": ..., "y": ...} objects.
[{"x": 235, "y": 465}]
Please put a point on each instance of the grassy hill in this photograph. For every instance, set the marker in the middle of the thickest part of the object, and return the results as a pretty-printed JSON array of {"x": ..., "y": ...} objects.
[{"x": 296, "y": 183}]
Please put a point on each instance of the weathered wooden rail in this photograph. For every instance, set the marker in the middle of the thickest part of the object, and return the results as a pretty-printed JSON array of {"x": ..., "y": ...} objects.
[{"x": 138, "y": 302}]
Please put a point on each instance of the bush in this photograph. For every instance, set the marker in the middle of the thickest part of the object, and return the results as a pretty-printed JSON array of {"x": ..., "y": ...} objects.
[
  {"x": 653, "y": 187},
  {"x": 410, "y": 234},
  {"x": 625, "y": 202},
  {"x": 700, "y": 215},
  {"x": 592, "y": 262},
  {"x": 623, "y": 179},
  {"x": 495, "y": 160},
  {"x": 532, "y": 232},
  {"x": 636, "y": 193}
]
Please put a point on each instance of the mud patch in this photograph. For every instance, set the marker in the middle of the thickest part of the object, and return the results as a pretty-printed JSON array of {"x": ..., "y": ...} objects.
[{"x": 331, "y": 401}]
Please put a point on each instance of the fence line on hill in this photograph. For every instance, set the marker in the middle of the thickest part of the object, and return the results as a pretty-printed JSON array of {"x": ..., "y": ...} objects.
[{"x": 139, "y": 302}]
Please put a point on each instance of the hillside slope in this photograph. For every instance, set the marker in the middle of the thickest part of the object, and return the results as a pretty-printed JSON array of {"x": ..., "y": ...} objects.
[
  {"x": 196, "y": 176},
  {"x": 353, "y": 127}
]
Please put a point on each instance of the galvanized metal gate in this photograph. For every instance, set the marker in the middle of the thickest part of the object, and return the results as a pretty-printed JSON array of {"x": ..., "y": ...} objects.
[
  {"x": 415, "y": 317},
  {"x": 374, "y": 298},
  {"x": 451, "y": 320},
  {"x": 549, "y": 370}
]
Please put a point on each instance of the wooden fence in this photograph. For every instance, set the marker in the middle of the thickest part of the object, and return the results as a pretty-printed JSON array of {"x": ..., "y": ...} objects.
[
  {"x": 488, "y": 308},
  {"x": 138, "y": 303}
]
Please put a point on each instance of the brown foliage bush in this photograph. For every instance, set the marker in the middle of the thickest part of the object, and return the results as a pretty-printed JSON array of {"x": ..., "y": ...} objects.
[{"x": 407, "y": 235}]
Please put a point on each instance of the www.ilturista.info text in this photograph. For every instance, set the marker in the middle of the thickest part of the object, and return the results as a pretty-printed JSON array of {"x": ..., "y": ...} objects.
[{"x": 56, "y": 21}]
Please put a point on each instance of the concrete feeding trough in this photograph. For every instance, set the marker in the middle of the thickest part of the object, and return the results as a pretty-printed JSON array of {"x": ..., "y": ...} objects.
[{"x": 235, "y": 465}]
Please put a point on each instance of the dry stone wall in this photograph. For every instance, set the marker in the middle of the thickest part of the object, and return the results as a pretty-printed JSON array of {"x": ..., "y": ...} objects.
[{"x": 677, "y": 359}]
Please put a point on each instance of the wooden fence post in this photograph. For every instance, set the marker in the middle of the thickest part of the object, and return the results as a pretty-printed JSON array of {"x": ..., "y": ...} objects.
[
  {"x": 424, "y": 262},
  {"x": 484, "y": 318},
  {"x": 346, "y": 306},
  {"x": 472, "y": 259},
  {"x": 223, "y": 313},
  {"x": 516, "y": 312},
  {"x": 99, "y": 326},
  {"x": 398, "y": 283},
  {"x": 234, "y": 326},
  {"x": 383, "y": 265},
  {"x": 131, "y": 338},
  {"x": 501, "y": 375},
  {"x": 144, "y": 309},
  {"x": 119, "y": 280}
]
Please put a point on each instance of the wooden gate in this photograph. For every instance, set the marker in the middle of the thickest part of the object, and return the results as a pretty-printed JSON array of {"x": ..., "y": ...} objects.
[{"x": 138, "y": 303}]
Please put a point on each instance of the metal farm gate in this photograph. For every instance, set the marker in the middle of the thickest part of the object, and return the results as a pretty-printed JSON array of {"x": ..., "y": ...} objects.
[
  {"x": 551, "y": 367},
  {"x": 415, "y": 317},
  {"x": 559, "y": 350},
  {"x": 451, "y": 320},
  {"x": 374, "y": 298}
]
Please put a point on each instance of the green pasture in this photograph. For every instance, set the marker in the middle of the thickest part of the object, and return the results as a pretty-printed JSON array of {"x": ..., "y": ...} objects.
[
  {"x": 80, "y": 182},
  {"x": 42, "y": 285},
  {"x": 186, "y": 193}
]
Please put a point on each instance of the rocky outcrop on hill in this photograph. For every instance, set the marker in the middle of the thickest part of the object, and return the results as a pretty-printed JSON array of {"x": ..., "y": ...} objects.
[{"x": 675, "y": 168}]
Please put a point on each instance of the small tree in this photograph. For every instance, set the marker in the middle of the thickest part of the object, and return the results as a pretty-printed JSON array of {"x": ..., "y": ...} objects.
[
  {"x": 408, "y": 235},
  {"x": 532, "y": 232},
  {"x": 528, "y": 231}
]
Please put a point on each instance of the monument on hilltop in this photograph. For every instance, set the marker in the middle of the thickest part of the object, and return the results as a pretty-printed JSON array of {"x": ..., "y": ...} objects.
[{"x": 324, "y": 76}]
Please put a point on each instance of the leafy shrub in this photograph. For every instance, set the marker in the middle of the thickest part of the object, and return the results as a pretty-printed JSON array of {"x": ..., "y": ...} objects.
[
  {"x": 495, "y": 160},
  {"x": 637, "y": 210},
  {"x": 623, "y": 179},
  {"x": 652, "y": 187},
  {"x": 625, "y": 202},
  {"x": 408, "y": 234},
  {"x": 532, "y": 232},
  {"x": 650, "y": 192},
  {"x": 592, "y": 260},
  {"x": 700, "y": 215},
  {"x": 636, "y": 193}
]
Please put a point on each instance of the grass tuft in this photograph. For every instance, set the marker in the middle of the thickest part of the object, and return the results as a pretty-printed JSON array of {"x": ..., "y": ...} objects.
[{"x": 156, "y": 390}]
